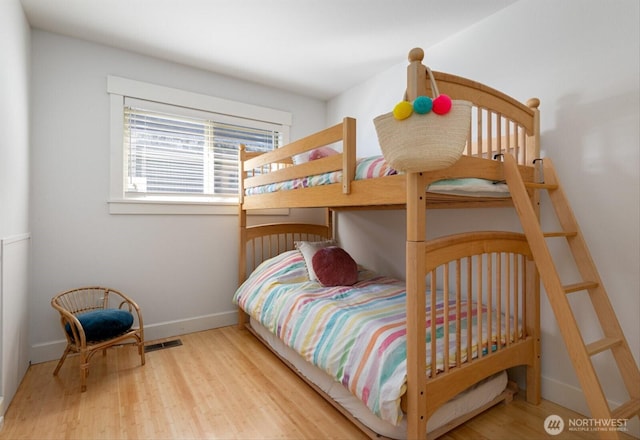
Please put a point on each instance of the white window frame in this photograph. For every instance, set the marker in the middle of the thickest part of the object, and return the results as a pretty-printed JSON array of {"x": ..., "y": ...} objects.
[{"x": 120, "y": 88}]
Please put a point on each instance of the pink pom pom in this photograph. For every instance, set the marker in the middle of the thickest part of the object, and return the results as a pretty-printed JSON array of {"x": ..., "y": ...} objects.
[{"x": 441, "y": 105}]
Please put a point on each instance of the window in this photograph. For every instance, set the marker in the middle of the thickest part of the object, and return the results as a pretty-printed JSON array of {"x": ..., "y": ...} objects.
[
  {"x": 177, "y": 152},
  {"x": 172, "y": 155}
]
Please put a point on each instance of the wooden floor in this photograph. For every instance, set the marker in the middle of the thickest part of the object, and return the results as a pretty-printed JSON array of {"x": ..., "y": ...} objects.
[{"x": 219, "y": 384}]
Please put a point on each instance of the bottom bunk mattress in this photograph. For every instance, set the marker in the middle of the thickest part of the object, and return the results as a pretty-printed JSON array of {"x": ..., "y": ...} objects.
[
  {"x": 474, "y": 398},
  {"x": 357, "y": 333}
]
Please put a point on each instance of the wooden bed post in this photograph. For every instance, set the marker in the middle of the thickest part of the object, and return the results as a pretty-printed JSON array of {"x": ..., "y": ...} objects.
[
  {"x": 328, "y": 221},
  {"x": 532, "y": 320},
  {"x": 348, "y": 153},
  {"x": 242, "y": 236},
  {"x": 416, "y": 75},
  {"x": 533, "y": 375},
  {"x": 533, "y": 139},
  {"x": 417, "y": 413},
  {"x": 242, "y": 259}
]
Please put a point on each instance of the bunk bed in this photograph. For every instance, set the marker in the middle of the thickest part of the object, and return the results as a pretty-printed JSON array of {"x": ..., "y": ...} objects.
[{"x": 476, "y": 293}]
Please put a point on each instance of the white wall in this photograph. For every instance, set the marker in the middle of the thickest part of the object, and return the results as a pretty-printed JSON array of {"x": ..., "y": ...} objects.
[
  {"x": 14, "y": 192},
  {"x": 581, "y": 58},
  {"x": 14, "y": 119},
  {"x": 181, "y": 269}
]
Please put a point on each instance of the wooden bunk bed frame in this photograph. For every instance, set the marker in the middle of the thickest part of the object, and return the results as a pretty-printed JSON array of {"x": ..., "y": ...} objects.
[{"x": 501, "y": 125}]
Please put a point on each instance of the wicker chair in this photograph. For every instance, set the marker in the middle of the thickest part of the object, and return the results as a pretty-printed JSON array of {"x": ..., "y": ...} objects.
[{"x": 96, "y": 318}]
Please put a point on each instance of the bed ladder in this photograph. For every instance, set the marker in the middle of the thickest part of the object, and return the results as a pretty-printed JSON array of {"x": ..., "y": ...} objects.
[{"x": 579, "y": 351}]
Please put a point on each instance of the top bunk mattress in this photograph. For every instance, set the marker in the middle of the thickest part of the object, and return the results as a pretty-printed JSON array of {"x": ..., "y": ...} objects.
[{"x": 376, "y": 167}]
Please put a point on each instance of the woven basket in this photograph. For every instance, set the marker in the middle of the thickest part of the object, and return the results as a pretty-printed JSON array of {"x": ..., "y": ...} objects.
[{"x": 425, "y": 142}]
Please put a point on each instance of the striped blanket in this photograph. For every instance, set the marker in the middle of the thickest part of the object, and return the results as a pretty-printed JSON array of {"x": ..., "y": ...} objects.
[
  {"x": 366, "y": 168},
  {"x": 376, "y": 166},
  {"x": 357, "y": 334}
]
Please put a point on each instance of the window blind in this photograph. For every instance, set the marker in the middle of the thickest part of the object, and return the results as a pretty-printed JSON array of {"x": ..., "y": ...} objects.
[{"x": 173, "y": 154}]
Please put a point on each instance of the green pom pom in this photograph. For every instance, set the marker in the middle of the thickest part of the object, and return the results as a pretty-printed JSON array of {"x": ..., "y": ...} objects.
[
  {"x": 422, "y": 105},
  {"x": 402, "y": 110}
]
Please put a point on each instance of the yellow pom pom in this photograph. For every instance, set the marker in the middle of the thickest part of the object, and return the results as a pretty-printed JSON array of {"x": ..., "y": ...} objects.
[{"x": 402, "y": 110}]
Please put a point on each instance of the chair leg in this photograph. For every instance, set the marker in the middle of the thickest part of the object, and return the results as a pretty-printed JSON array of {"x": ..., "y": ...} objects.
[
  {"x": 84, "y": 372},
  {"x": 61, "y": 361},
  {"x": 141, "y": 350}
]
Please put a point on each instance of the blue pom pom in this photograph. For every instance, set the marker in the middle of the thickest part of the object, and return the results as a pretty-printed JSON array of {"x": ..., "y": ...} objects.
[{"x": 422, "y": 105}]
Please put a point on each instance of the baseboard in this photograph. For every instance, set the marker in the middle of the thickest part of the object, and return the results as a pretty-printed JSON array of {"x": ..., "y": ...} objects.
[
  {"x": 572, "y": 397},
  {"x": 52, "y": 350},
  {"x": 565, "y": 395},
  {"x": 191, "y": 325}
]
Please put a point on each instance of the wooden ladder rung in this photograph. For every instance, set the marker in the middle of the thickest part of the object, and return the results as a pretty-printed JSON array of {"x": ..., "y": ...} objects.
[
  {"x": 560, "y": 234},
  {"x": 602, "y": 345},
  {"x": 627, "y": 410},
  {"x": 576, "y": 287},
  {"x": 534, "y": 185}
]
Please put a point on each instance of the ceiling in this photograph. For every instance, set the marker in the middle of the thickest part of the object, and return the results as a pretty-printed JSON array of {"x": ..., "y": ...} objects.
[{"x": 318, "y": 48}]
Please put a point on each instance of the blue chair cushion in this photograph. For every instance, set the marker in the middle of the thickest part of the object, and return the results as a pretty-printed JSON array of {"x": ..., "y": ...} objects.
[{"x": 104, "y": 324}]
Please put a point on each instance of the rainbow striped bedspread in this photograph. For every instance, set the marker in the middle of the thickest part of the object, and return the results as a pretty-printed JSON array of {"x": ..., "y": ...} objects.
[{"x": 357, "y": 334}]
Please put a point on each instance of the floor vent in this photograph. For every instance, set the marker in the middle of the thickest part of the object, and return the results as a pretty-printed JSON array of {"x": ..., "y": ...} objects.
[{"x": 162, "y": 345}]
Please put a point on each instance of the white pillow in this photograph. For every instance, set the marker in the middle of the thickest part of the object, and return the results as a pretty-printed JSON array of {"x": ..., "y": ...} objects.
[
  {"x": 301, "y": 158},
  {"x": 308, "y": 249}
]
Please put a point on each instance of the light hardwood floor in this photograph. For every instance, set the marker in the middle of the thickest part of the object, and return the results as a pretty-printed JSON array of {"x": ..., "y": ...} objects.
[{"x": 219, "y": 384}]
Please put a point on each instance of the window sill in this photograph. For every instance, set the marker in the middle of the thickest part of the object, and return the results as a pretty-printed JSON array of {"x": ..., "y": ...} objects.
[{"x": 157, "y": 207}]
